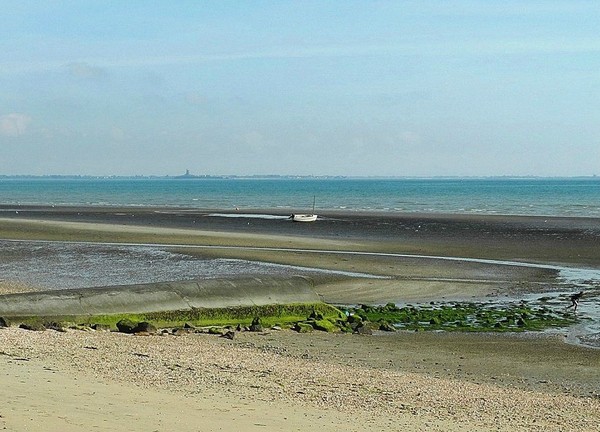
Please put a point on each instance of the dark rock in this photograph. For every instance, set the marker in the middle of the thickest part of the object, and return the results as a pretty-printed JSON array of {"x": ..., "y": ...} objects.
[
  {"x": 189, "y": 326},
  {"x": 344, "y": 326},
  {"x": 303, "y": 327},
  {"x": 228, "y": 335},
  {"x": 215, "y": 331},
  {"x": 4, "y": 322},
  {"x": 386, "y": 326},
  {"x": 144, "y": 327},
  {"x": 364, "y": 330},
  {"x": 355, "y": 325},
  {"x": 126, "y": 326},
  {"x": 355, "y": 319},
  {"x": 366, "y": 308},
  {"x": 256, "y": 325},
  {"x": 361, "y": 314},
  {"x": 33, "y": 326},
  {"x": 101, "y": 327},
  {"x": 54, "y": 326}
]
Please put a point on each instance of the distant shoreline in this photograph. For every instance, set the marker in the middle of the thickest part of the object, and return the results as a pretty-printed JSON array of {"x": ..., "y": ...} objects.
[{"x": 285, "y": 177}]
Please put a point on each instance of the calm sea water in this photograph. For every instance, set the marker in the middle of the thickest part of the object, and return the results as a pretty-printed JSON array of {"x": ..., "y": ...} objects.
[{"x": 557, "y": 197}]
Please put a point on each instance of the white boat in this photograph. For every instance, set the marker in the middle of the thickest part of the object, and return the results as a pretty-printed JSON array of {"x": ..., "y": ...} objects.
[{"x": 305, "y": 217}]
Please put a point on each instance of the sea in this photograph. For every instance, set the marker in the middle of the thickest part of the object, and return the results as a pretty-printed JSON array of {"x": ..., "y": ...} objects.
[{"x": 572, "y": 197}]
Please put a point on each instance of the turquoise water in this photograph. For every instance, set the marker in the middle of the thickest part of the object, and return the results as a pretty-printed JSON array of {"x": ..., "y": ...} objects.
[{"x": 552, "y": 197}]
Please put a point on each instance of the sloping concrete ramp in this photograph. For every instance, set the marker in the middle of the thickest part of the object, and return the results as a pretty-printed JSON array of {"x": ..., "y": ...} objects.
[{"x": 165, "y": 296}]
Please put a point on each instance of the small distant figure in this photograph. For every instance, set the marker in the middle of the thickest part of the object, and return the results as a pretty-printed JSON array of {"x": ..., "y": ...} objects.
[{"x": 575, "y": 300}]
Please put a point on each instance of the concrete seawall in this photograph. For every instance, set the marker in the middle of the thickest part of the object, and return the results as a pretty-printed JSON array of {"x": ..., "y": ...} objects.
[{"x": 165, "y": 296}]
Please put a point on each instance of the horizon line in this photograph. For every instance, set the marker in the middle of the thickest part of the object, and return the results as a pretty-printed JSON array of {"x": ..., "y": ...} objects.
[{"x": 189, "y": 176}]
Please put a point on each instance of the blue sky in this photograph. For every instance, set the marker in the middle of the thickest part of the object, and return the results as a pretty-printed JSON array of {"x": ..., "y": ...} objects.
[{"x": 395, "y": 88}]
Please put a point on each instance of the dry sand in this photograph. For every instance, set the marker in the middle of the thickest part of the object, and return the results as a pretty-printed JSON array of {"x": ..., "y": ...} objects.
[
  {"x": 81, "y": 381},
  {"x": 109, "y": 381}
]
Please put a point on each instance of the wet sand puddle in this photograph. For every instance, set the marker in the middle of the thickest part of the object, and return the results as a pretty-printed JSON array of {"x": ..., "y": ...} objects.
[
  {"x": 587, "y": 331},
  {"x": 61, "y": 265}
]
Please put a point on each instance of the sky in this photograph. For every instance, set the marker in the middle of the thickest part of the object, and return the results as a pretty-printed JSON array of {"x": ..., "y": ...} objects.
[{"x": 355, "y": 88}]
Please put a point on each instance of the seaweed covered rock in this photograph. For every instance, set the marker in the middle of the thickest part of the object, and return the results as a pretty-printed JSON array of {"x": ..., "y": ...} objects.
[
  {"x": 386, "y": 326},
  {"x": 256, "y": 325},
  {"x": 144, "y": 327},
  {"x": 228, "y": 335},
  {"x": 354, "y": 319},
  {"x": 178, "y": 331},
  {"x": 435, "y": 320},
  {"x": 366, "y": 308},
  {"x": 36, "y": 326},
  {"x": 301, "y": 327},
  {"x": 324, "y": 325},
  {"x": 317, "y": 316},
  {"x": 360, "y": 313},
  {"x": 344, "y": 326},
  {"x": 126, "y": 326},
  {"x": 56, "y": 326},
  {"x": 455, "y": 316},
  {"x": 391, "y": 307}
]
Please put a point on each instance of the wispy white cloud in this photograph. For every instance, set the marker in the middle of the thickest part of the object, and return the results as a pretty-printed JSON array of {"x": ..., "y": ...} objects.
[
  {"x": 14, "y": 124},
  {"x": 429, "y": 46},
  {"x": 458, "y": 46}
]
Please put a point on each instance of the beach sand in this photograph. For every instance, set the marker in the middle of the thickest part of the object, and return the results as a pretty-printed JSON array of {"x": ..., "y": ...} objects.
[
  {"x": 280, "y": 380},
  {"x": 77, "y": 381}
]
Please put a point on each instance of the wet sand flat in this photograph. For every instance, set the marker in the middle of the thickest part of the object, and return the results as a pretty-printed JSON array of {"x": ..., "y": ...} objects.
[
  {"x": 537, "y": 239},
  {"x": 568, "y": 241}
]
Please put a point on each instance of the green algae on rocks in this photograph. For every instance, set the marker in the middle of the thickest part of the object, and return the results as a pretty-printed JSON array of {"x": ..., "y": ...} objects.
[
  {"x": 202, "y": 317},
  {"x": 483, "y": 317}
]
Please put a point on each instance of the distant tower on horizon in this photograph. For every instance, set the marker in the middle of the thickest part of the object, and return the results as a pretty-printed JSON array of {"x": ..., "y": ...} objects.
[{"x": 187, "y": 175}]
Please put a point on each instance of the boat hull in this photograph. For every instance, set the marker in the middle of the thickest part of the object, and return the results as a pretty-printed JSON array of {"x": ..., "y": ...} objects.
[{"x": 304, "y": 217}]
